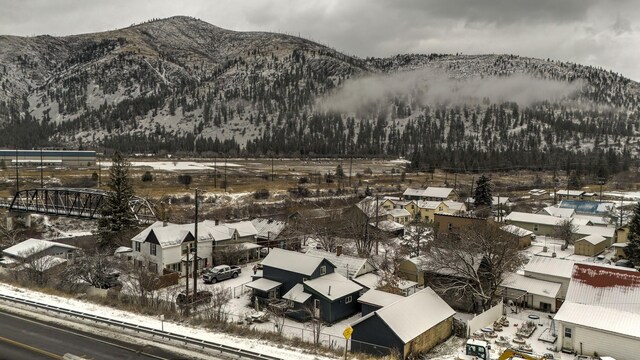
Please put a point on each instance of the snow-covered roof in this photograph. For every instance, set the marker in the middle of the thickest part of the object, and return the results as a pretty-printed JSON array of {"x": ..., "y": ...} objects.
[
  {"x": 406, "y": 284},
  {"x": 533, "y": 218},
  {"x": 413, "y": 192},
  {"x": 368, "y": 206},
  {"x": 142, "y": 236},
  {"x": 171, "y": 235},
  {"x": 531, "y": 285},
  {"x": 550, "y": 266},
  {"x": 122, "y": 250},
  {"x": 297, "y": 294},
  {"x": 593, "y": 239},
  {"x": 413, "y": 315},
  {"x": 619, "y": 245},
  {"x": 292, "y": 261},
  {"x": 244, "y": 228},
  {"x": 610, "y": 295},
  {"x": 346, "y": 265},
  {"x": 437, "y": 192},
  {"x": 559, "y": 212},
  {"x": 378, "y": 298},
  {"x": 33, "y": 246},
  {"x": 502, "y": 200},
  {"x": 399, "y": 212},
  {"x": 249, "y": 246},
  {"x": 368, "y": 280},
  {"x": 432, "y": 205},
  {"x": 455, "y": 205},
  {"x": 515, "y": 230},
  {"x": 588, "y": 207},
  {"x": 570, "y": 192},
  {"x": 388, "y": 225},
  {"x": 333, "y": 286},
  {"x": 263, "y": 284},
  {"x": 268, "y": 228},
  {"x": 43, "y": 263},
  {"x": 593, "y": 219},
  {"x": 607, "y": 232}
]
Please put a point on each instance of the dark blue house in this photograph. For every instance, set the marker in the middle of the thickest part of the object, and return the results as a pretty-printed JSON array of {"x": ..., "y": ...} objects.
[{"x": 310, "y": 285}]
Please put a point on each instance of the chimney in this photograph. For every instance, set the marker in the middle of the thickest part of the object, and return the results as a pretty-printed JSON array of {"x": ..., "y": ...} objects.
[
  {"x": 164, "y": 223},
  {"x": 329, "y": 293},
  {"x": 338, "y": 250}
]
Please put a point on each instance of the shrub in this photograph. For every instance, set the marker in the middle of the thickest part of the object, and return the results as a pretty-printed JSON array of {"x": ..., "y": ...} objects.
[
  {"x": 147, "y": 176},
  {"x": 261, "y": 194}
]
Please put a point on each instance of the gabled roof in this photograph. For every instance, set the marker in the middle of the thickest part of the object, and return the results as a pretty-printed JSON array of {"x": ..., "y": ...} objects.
[
  {"x": 33, "y": 246},
  {"x": 368, "y": 280},
  {"x": 534, "y": 218},
  {"x": 388, "y": 225},
  {"x": 517, "y": 231},
  {"x": 142, "y": 236},
  {"x": 610, "y": 296},
  {"x": 588, "y": 207},
  {"x": 437, "y": 192},
  {"x": 559, "y": 212},
  {"x": 171, "y": 235},
  {"x": 268, "y": 228},
  {"x": 431, "y": 205},
  {"x": 607, "y": 232},
  {"x": 346, "y": 265},
  {"x": 398, "y": 212},
  {"x": 550, "y": 266},
  {"x": 244, "y": 228},
  {"x": 297, "y": 294},
  {"x": 333, "y": 286},
  {"x": 368, "y": 207},
  {"x": 531, "y": 285},
  {"x": 570, "y": 192},
  {"x": 263, "y": 284},
  {"x": 413, "y": 315},
  {"x": 413, "y": 192},
  {"x": 292, "y": 261},
  {"x": 312, "y": 213},
  {"x": 378, "y": 298},
  {"x": 594, "y": 239},
  {"x": 454, "y": 205},
  {"x": 607, "y": 286}
]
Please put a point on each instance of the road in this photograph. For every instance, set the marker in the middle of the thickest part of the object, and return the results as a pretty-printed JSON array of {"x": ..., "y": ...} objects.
[{"x": 22, "y": 338}]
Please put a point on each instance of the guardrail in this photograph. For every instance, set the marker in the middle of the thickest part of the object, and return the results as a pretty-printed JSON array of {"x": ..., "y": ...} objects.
[{"x": 223, "y": 349}]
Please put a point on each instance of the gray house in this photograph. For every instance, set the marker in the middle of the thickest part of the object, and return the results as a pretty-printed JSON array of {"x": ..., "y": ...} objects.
[{"x": 36, "y": 248}]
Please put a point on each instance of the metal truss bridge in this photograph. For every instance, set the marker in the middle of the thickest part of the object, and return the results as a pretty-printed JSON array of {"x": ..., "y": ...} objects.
[{"x": 80, "y": 203}]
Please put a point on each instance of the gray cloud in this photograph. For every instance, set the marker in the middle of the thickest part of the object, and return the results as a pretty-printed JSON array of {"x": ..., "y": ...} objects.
[{"x": 591, "y": 32}]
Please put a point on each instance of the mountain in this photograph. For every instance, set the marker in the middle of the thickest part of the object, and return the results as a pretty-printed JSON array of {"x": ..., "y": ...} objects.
[{"x": 183, "y": 85}]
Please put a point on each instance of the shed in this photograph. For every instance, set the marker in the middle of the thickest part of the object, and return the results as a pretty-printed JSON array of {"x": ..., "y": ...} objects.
[
  {"x": 412, "y": 325},
  {"x": 523, "y": 236},
  {"x": 530, "y": 292},
  {"x": 591, "y": 245}
]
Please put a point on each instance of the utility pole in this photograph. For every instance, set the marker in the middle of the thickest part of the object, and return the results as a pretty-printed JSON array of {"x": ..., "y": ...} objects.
[
  {"x": 225, "y": 174},
  {"x": 215, "y": 171},
  {"x": 377, "y": 217},
  {"x": 455, "y": 182},
  {"x": 17, "y": 174},
  {"x": 350, "y": 169},
  {"x": 187, "y": 282},
  {"x": 99, "y": 171},
  {"x": 272, "y": 168},
  {"x": 42, "y": 176},
  {"x": 195, "y": 253}
]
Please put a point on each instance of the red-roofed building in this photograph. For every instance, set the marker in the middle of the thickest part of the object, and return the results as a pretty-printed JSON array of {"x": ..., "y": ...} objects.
[{"x": 601, "y": 312}]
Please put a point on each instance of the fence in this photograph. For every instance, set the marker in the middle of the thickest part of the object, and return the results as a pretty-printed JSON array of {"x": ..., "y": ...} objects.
[{"x": 484, "y": 319}]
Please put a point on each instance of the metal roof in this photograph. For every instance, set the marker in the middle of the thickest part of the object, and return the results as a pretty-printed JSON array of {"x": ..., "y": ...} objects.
[
  {"x": 517, "y": 231},
  {"x": 268, "y": 228},
  {"x": 550, "y": 266},
  {"x": 333, "y": 286},
  {"x": 531, "y": 285},
  {"x": 534, "y": 218},
  {"x": 346, "y": 265}
]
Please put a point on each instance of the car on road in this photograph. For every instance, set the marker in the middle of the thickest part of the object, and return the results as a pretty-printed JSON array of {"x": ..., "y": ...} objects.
[{"x": 219, "y": 273}]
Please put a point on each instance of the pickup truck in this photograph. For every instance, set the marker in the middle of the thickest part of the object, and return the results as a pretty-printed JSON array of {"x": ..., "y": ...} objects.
[{"x": 219, "y": 273}]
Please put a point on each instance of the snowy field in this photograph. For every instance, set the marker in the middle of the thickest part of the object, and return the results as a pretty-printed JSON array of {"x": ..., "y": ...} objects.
[{"x": 176, "y": 165}]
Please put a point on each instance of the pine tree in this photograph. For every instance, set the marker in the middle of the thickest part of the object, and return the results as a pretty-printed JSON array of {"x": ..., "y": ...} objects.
[
  {"x": 632, "y": 251},
  {"x": 482, "y": 196},
  {"x": 117, "y": 217}
]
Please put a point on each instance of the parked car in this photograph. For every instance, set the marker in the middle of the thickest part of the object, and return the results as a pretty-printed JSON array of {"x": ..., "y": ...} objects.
[{"x": 220, "y": 272}]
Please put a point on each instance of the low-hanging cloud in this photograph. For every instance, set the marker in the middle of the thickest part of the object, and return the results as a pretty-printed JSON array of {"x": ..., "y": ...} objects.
[{"x": 428, "y": 87}]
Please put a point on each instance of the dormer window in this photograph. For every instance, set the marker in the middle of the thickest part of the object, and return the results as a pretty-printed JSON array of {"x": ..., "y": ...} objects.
[
  {"x": 323, "y": 270},
  {"x": 137, "y": 246}
]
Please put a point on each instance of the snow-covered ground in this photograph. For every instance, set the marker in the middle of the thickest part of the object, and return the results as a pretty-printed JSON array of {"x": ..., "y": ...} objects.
[
  {"x": 177, "y": 165},
  {"x": 260, "y": 346}
]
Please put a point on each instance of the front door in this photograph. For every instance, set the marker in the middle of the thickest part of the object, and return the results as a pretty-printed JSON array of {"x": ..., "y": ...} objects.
[
  {"x": 316, "y": 308},
  {"x": 567, "y": 342}
]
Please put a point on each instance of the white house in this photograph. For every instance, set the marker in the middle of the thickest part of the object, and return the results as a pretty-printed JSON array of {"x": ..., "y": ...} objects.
[
  {"x": 36, "y": 248},
  {"x": 601, "y": 312},
  {"x": 531, "y": 292},
  {"x": 551, "y": 269}
]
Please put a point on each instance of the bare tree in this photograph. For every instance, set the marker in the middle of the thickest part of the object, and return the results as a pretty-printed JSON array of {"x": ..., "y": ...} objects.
[
  {"x": 229, "y": 254},
  {"x": 8, "y": 237},
  {"x": 315, "y": 323},
  {"x": 96, "y": 269},
  {"x": 37, "y": 270},
  {"x": 472, "y": 262},
  {"x": 564, "y": 231},
  {"x": 278, "y": 311},
  {"x": 141, "y": 282},
  {"x": 215, "y": 311},
  {"x": 360, "y": 224}
]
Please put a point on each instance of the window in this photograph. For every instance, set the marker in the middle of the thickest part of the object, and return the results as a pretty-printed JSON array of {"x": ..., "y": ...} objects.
[
  {"x": 535, "y": 227},
  {"x": 440, "y": 208},
  {"x": 152, "y": 249},
  {"x": 323, "y": 270},
  {"x": 347, "y": 299},
  {"x": 567, "y": 333},
  {"x": 137, "y": 246},
  {"x": 153, "y": 267},
  {"x": 450, "y": 227}
]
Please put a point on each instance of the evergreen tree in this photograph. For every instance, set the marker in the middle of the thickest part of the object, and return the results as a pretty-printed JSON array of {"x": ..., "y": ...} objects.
[
  {"x": 117, "y": 217},
  {"x": 632, "y": 251},
  {"x": 482, "y": 196}
]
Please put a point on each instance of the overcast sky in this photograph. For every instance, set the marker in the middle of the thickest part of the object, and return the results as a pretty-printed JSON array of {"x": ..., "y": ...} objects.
[{"x": 602, "y": 33}]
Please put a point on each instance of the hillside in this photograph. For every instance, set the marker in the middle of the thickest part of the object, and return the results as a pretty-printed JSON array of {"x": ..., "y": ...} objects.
[{"x": 180, "y": 84}]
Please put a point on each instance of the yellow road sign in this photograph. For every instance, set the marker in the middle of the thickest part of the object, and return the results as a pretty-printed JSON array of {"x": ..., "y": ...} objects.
[{"x": 347, "y": 332}]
